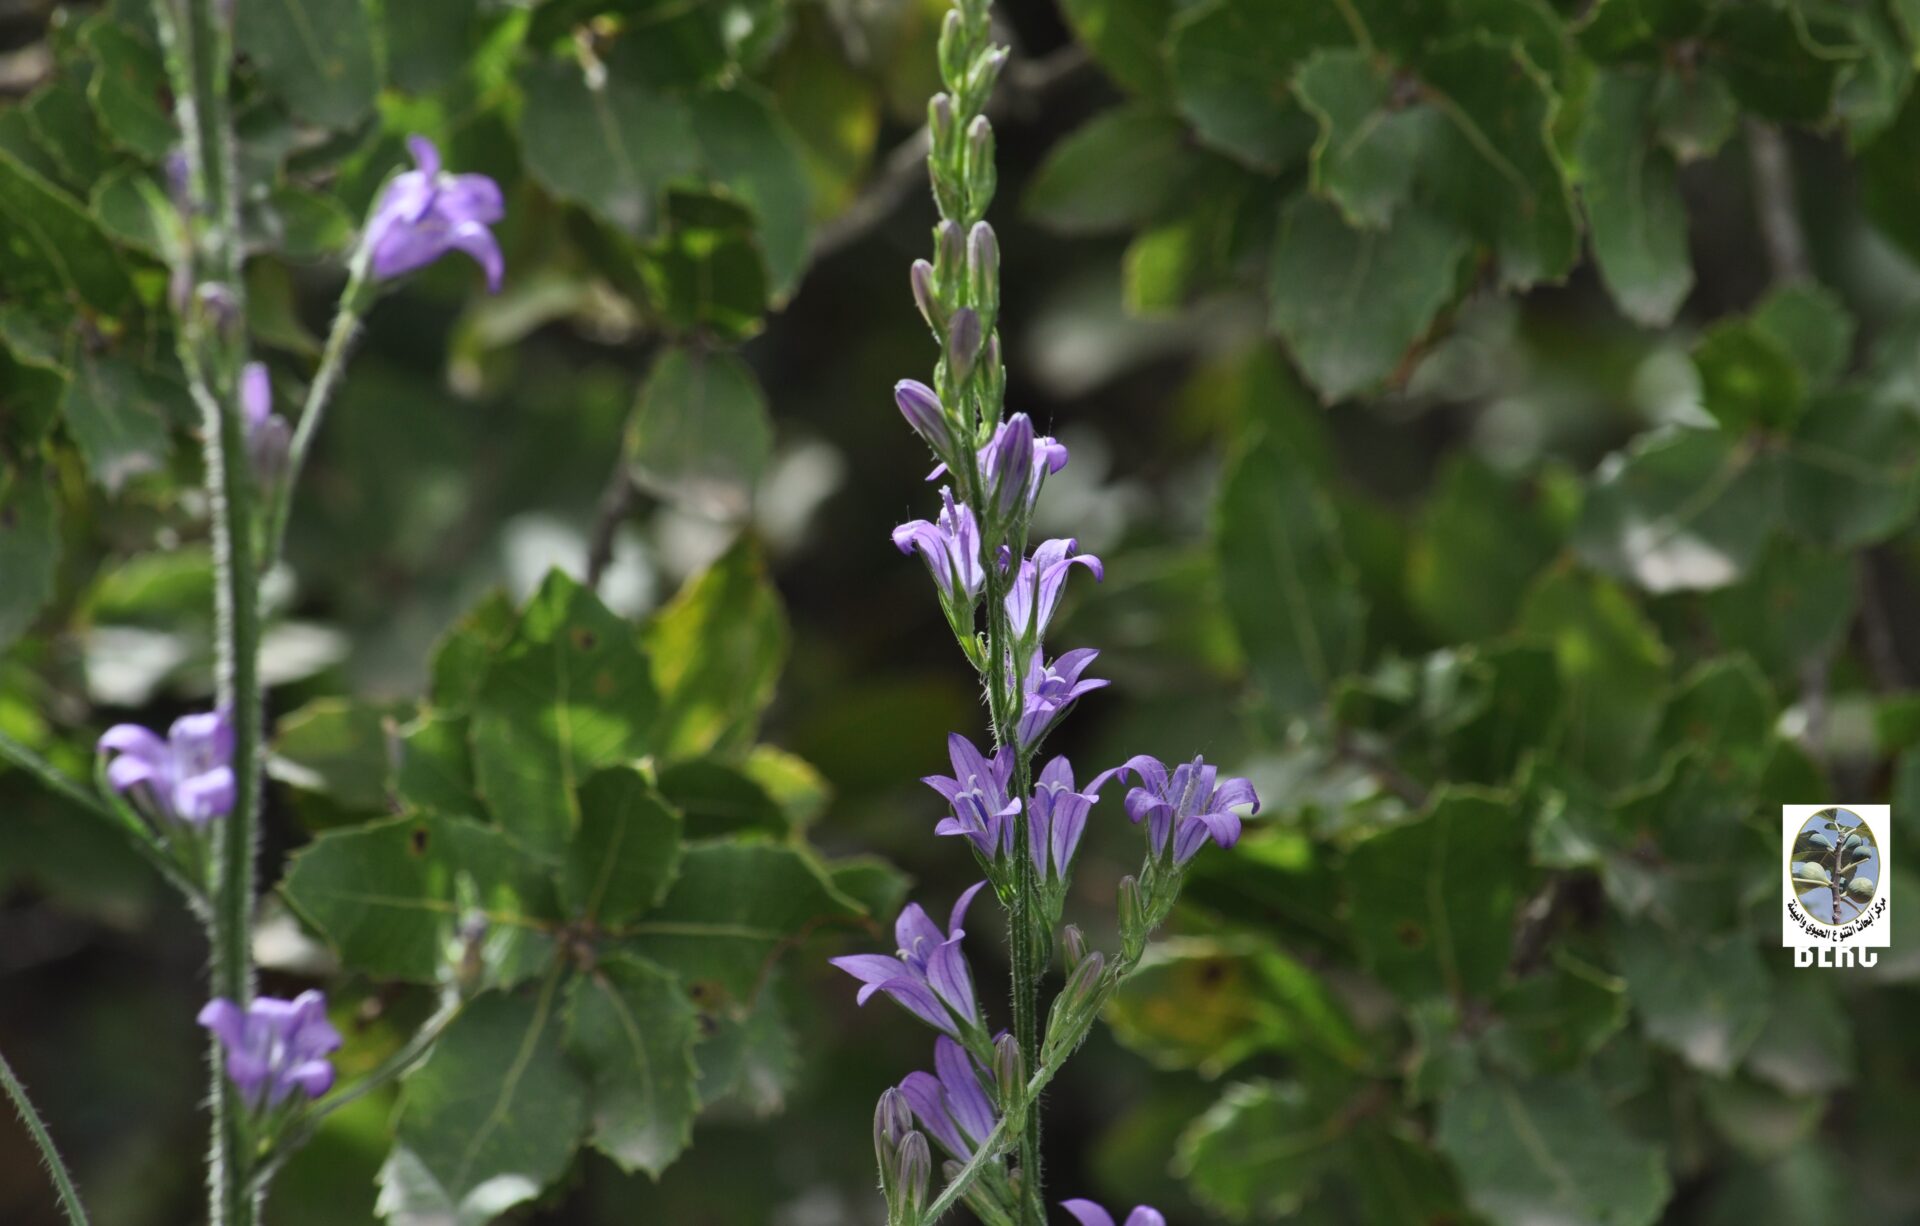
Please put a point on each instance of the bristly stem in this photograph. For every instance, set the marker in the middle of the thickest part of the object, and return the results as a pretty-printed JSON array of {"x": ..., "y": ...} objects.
[
  {"x": 57, "y": 1169},
  {"x": 210, "y": 305}
]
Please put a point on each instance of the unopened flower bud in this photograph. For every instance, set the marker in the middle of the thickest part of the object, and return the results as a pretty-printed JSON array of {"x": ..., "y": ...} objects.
[
  {"x": 1009, "y": 466},
  {"x": 940, "y": 121},
  {"x": 953, "y": 48},
  {"x": 913, "y": 1169},
  {"x": 981, "y": 174},
  {"x": 949, "y": 254},
  {"x": 1133, "y": 911},
  {"x": 987, "y": 70},
  {"x": 1009, "y": 1071},
  {"x": 926, "y": 299},
  {"x": 983, "y": 268},
  {"x": 963, "y": 343},
  {"x": 892, "y": 1121},
  {"x": 1084, "y": 983},
  {"x": 921, "y": 407},
  {"x": 1074, "y": 942}
]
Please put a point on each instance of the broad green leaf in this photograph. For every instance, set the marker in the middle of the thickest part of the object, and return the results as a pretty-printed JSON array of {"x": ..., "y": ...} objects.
[
  {"x": 717, "y": 651},
  {"x": 428, "y": 41},
  {"x": 1807, "y": 1046},
  {"x": 460, "y": 659},
  {"x": 1350, "y": 303},
  {"x": 1432, "y": 900},
  {"x": 1851, "y": 474},
  {"x": 64, "y": 124},
  {"x": 749, "y": 150},
  {"x": 570, "y": 693},
  {"x": 1632, "y": 193},
  {"x": 633, "y": 1030},
  {"x": 318, "y": 55},
  {"x": 51, "y": 250},
  {"x": 1782, "y": 63},
  {"x": 1747, "y": 377},
  {"x": 800, "y": 790},
  {"x": 435, "y": 764},
  {"x": 111, "y": 419},
  {"x": 1368, "y": 150},
  {"x": 390, "y": 898},
  {"x": 1550, "y": 1151},
  {"x": 717, "y": 798},
  {"x": 627, "y": 851},
  {"x": 1400, "y": 1178},
  {"x": 700, "y": 434},
  {"x": 1554, "y": 1021},
  {"x": 1809, "y": 323},
  {"x": 29, "y": 548},
  {"x": 748, "y": 1057},
  {"x": 129, "y": 207},
  {"x": 1260, "y": 1151},
  {"x": 1126, "y": 38},
  {"x": 1480, "y": 542},
  {"x": 1723, "y": 710},
  {"x": 707, "y": 275},
  {"x": 1694, "y": 113},
  {"x": 1680, "y": 510},
  {"x": 604, "y": 138},
  {"x": 491, "y": 1118},
  {"x": 1285, "y": 578},
  {"x": 1890, "y": 179},
  {"x": 1492, "y": 167},
  {"x": 340, "y": 749},
  {"x": 1612, "y": 662},
  {"x": 1230, "y": 61},
  {"x": 129, "y": 88},
  {"x": 729, "y": 913},
  {"x": 1706, "y": 999},
  {"x": 1120, "y": 170},
  {"x": 1758, "y": 1120}
]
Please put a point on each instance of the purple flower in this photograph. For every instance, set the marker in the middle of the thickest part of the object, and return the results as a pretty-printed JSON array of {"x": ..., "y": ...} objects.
[
  {"x": 929, "y": 976},
  {"x": 950, "y": 548},
  {"x": 186, "y": 778},
  {"x": 275, "y": 1046},
  {"x": 267, "y": 437},
  {"x": 1037, "y": 585},
  {"x": 1049, "y": 690},
  {"x": 1011, "y": 439},
  {"x": 1188, "y": 803},
  {"x": 1089, "y": 1214},
  {"x": 921, "y": 407},
  {"x": 954, "y": 1106},
  {"x": 1057, "y": 818},
  {"x": 424, "y": 214},
  {"x": 977, "y": 791}
]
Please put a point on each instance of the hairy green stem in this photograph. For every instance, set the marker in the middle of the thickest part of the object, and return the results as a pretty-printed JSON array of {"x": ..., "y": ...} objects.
[
  {"x": 56, "y": 1168},
  {"x": 326, "y": 379}
]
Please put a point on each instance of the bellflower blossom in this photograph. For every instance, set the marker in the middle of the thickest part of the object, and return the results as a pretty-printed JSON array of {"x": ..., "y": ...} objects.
[
  {"x": 1186, "y": 803},
  {"x": 929, "y": 977},
  {"x": 424, "y": 214},
  {"x": 1048, "y": 691},
  {"x": 953, "y": 1106},
  {"x": 982, "y": 809},
  {"x": 1089, "y": 1214},
  {"x": 1016, "y": 461},
  {"x": 950, "y": 548},
  {"x": 267, "y": 435},
  {"x": 1057, "y": 818},
  {"x": 275, "y": 1046},
  {"x": 186, "y": 778},
  {"x": 1035, "y": 591}
]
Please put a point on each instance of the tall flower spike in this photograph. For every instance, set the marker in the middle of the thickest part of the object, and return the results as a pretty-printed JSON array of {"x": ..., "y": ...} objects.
[
  {"x": 977, "y": 792},
  {"x": 425, "y": 213},
  {"x": 1048, "y": 691},
  {"x": 1190, "y": 803},
  {"x": 929, "y": 976},
  {"x": 1089, "y": 1214},
  {"x": 952, "y": 1103},
  {"x": 275, "y": 1046},
  {"x": 1058, "y": 818},
  {"x": 186, "y": 778},
  {"x": 950, "y": 548}
]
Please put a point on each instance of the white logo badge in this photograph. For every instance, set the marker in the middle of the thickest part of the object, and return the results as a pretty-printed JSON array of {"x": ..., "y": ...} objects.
[{"x": 1835, "y": 890}]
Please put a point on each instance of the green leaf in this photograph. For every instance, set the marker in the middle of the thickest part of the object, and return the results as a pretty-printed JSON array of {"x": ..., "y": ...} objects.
[
  {"x": 129, "y": 207},
  {"x": 1231, "y": 60},
  {"x": 570, "y": 693},
  {"x": 129, "y": 88},
  {"x": 1723, "y": 710},
  {"x": 428, "y": 41},
  {"x": 111, "y": 419},
  {"x": 1852, "y": 470},
  {"x": 1261, "y": 1150},
  {"x": 490, "y": 1119},
  {"x": 29, "y": 548},
  {"x": 1433, "y": 899},
  {"x": 1493, "y": 168},
  {"x": 1632, "y": 193},
  {"x": 1480, "y": 542},
  {"x": 603, "y": 138},
  {"x": 717, "y": 798},
  {"x": 1555, "y": 1020},
  {"x": 1125, "y": 37},
  {"x": 717, "y": 652},
  {"x": 316, "y": 54},
  {"x": 1694, "y": 113},
  {"x": 65, "y": 127},
  {"x": 707, "y": 275},
  {"x": 1809, "y": 323},
  {"x": 460, "y": 659},
  {"x": 389, "y": 897},
  {"x": 435, "y": 767},
  {"x": 749, "y": 149},
  {"x": 1807, "y": 1046},
  {"x": 340, "y": 749},
  {"x": 1288, "y": 587},
  {"x": 1612, "y": 663},
  {"x": 1680, "y": 510},
  {"x": 627, "y": 852},
  {"x": 1120, "y": 170},
  {"x": 1350, "y": 303},
  {"x": 1782, "y": 63},
  {"x": 634, "y": 1030},
  {"x": 1747, "y": 377},
  {"x": 1706, "y": 999},
  {"x": 700, "y": 434},
  {"x": 731, "y": 910},
  {"x": 50, "y": 249},
  {"x": 1368, "y": 151},
  {"x": 748, "y": 1057},
  {"x": 1549, "y": 1151}
]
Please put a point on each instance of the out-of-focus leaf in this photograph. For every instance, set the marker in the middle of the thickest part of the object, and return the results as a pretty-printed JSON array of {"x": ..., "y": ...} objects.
[
  {"x": 1555, "y": 1020},
  {"x": 1748, "y": 377},
  {"x": 1261, "y": 1150},
  {"x": 1481, "y": 541},
  {"x": 1680, "y": 510},
  {"x": 1368, "y": 151},
  {"x": 1694, "y": 113},
  {"x": 604, "y": 137},
  {"x": 749, "y": 150},
  {"x": 460, "y": 659},
  {"x": 1807, "y": 1047},
  {"x": 1612, "y": 662},
  {"x": 428, "y": 41},
  {"x": 128, "y": 89},
  {"x": 340, "y": 749},
  {"x": 50, "y": 249},
  {"x": 434, "y": 770},
  {"x": 1632, "y": 194},
  {"x": 707, "y": 275},
  {"x": 29, "y": 548},
  {"x": 621, "y": 863},
  {"x": 1782, "y": 64},
  {"x": 717, "y": 650},
  {"x": 748, "y": 1056},
  {"x": 717, "y": 798},
  {"x": 634, "y": 1030},
  {"x": 1350, "y": 303},
  {"x": 1852, "y": 470},
  {"x": 700, "y": 434},
  {"x": 1122, "y": 169},
  {"x": 1809, "y": 323},
  {"x": 1230, "y": 60},
  {"x": 1127, "y": 38},
  {"x": 316, "y": 54},
  {"x": 111, "y": 419},
  {"x": 1705, "y": 999}
]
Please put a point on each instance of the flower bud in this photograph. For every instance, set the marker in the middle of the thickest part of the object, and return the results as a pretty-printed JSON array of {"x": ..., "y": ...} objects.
[
  {"x": 1009, "y": 466},
  {"x": 926, "y": 299},
  {"x": 892, "y": 1120},
  {"x": 913, "y": 1168},
  {"x": 963, "y": 343},
  {"x": 987, "y": 69},
  {"x": 1009, "y": 1071},
  {"x": 940, "y": 121},
  {"x": 953, "y": 49},
  {"x": 983, "y": 268},
  {"x": 1084, "y": 984},
  {"x": 1074, "y": 942},
  {"x": 921, "y": 407},
  {"x": 981, "y": 175},
  {"x": 1133, "y": 913},
  {"x": 949, "y": 254}
]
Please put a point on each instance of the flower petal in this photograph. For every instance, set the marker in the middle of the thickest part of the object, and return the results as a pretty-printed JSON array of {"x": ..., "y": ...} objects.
[
  {"x": 967, "y": 1101},
  {"x": 1087, "y": 1213}
]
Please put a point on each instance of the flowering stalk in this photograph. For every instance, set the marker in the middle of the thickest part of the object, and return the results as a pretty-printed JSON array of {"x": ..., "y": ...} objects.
[{"x": 56, "y": 1168}]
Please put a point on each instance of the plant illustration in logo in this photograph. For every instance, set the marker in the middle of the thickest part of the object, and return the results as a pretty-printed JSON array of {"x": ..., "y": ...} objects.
[{"x": 1836, "y": 866}]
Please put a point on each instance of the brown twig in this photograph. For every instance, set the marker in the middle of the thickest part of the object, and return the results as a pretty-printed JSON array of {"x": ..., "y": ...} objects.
[{"x": 617, "y": 502}]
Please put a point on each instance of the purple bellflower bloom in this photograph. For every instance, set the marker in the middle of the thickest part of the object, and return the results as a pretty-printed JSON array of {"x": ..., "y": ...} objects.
[
  {"x": 424, "y": 214},
  {"x": 950, "y": 548},
  {"x": 1190, "y": 803},
  {"x": 954, "y": 1106},
  {"x": 1037, "y": 585},
  {"x": 267, "y": 435},
  {"x": 1048, "y": 691},
  {"x": 920, "y": 405},
  {"x": 929, "y": 977},
  {"x": 186, "y": 778},
  {"x": 977, "y": 791},
  {"x": 1089, "y": 1214},
  {"x": 1057, "y": 819},
  {"x": 275, "y": 1046},
  {"x": 1012, "y": 438}
]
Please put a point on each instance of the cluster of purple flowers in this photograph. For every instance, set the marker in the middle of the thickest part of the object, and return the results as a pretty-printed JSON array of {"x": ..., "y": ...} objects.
[{"x": 274, "y": 1047}]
